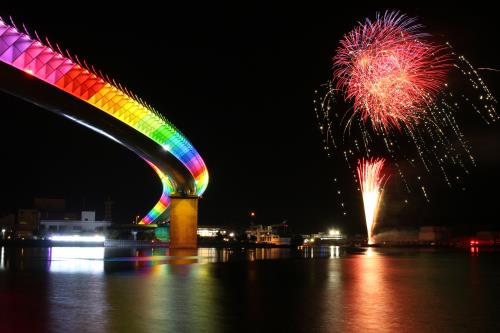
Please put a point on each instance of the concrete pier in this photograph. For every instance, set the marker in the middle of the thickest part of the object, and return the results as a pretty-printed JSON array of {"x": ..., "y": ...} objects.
[{"x": 183, "y": 222}]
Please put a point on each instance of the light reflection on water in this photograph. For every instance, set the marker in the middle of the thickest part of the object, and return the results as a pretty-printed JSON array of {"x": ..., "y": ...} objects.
[
  {"x": 374, "y": 297},
  {"x": 95, "y": 260},
  {"x": 2, "y": 254},
  {"x": 323, "y": 252},
  {"x": 216, "y": 290},
  {"x": 76, "y": 259}
]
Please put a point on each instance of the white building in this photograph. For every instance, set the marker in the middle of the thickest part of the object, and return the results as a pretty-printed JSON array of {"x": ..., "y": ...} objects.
[
  {"x": 211, "y": 231},
  {"x": 86, "y": 225}
]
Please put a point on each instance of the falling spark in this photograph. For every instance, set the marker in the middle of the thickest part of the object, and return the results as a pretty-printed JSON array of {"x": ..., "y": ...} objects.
[
  {"x": 372, "y": 180},
  {"x": 489, "y": 69}
]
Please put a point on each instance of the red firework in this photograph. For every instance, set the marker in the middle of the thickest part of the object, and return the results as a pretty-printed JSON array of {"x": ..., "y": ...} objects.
[{"x": 389, "y": 71}]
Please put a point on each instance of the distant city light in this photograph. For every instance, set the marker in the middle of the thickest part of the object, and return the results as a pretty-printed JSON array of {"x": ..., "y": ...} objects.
[
  {"x": 333, "y": 232},
  {"x": 231, "y": 234},
  {"x": 252, "y": 214},
  {"x": 78, "y": 238}
]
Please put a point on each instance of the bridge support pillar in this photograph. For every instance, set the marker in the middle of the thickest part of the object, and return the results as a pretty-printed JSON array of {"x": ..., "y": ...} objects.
[{"x": 183, "y": 222}]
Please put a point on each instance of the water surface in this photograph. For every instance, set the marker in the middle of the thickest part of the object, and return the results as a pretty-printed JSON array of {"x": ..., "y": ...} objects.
[{"x": 259, "y": 290}]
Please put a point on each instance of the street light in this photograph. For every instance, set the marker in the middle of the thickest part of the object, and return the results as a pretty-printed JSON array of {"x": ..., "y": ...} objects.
[
  {"x": 3, "y": 234},
  {"x": 252, "y": 218}
]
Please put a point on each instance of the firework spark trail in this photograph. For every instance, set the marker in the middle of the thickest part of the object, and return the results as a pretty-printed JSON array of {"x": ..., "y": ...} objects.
[
  {"x": 488, "y": 69},
  {"x": 372, "y": 181},
  {"x": 389, "y": 71}
]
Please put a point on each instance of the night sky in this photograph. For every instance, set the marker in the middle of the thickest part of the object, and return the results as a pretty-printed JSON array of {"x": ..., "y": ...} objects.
[{"x": 239, "y": 83}]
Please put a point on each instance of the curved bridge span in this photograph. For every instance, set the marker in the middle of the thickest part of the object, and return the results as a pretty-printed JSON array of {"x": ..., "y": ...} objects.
[{"x": 36, "y": 72}]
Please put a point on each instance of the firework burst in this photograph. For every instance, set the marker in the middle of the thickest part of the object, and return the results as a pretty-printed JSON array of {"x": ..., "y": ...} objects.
[
  {"x": 389, "y": 71},
  {"x": 396, "y": 93},
  {"x": 372, "y": 180}
]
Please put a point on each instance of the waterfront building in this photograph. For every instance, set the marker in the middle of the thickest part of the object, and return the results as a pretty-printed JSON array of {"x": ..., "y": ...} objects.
[
  {"x": 211, "y": 232},
  {"x": 269, "y": 234},
  {"x": 7, "y": 223},
  {"x": 50, "y": 207},
  {"x": 27, "y": 222},
  {"x": 397, "y": 236},
  {"x": 333, "y": 236},
  {"x": 433, "y": 234},
  {"x": 85, "y": 225}
]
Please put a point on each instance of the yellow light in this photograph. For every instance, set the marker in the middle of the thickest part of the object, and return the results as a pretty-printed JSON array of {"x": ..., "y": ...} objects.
[{"x": 333, "y": 232}]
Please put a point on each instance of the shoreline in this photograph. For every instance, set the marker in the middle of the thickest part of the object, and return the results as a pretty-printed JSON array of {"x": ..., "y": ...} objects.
[{"x": 144, "y": 243}]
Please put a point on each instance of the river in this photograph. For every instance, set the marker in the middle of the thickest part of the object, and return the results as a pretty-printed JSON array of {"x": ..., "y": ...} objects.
[{"x": 64, "y": 289}]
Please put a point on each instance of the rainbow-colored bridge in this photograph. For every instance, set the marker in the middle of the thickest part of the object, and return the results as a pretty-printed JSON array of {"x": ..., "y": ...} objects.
[{"x": 46, "y": 76}]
